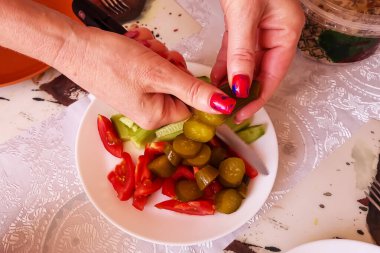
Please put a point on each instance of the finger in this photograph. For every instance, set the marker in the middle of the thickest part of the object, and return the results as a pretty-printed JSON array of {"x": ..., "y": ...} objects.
[
  {"x": 139, "y": 34},
  {"x": 242, "y": 21},
  {"x": 192, "y": 91},
  {"x": 158, "y": 47},
  {"x": 161, "y": 110},
  {"x": 275, "y": 63},
  {"x": 219, "y": 70}
]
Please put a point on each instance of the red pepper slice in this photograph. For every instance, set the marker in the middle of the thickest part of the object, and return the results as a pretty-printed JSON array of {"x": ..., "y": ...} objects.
[
  {"x": 212, "y": 189},
  {"x": 250, "y": 171},
  {"x": 142, "y": 171},
  {"x": 168, "y": 187},
  {"x": 122, "y": 178},
  {"x": 195, "y": 169},
  {"x": 148, "y": 186},
  {"x": 183, "y": 171},
  {"x": 139, "y": 202},
  {"x": 109, "y": 137},
  {"x": 196, "y": 207},
  {"x": 154, "y": 148}
]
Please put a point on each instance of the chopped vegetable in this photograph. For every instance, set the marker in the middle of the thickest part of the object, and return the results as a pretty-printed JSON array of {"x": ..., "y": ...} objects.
[
  {"x": 201, "y": 158},
  {"x": 252, "y": 133},
  {"x": 208, "y": 118},
  {"x": 198, "y": 131},
  {"x": 187, "y": 190},
  {"x": 228, "y": 201},
  {"x": 183, "y": 171},
  {"x": 186, "y": 147},
  {"x": 148, "y": 187},
  {"x": 205, "y": 176},
  {"x": 109, "y": 137},
  {"x": 196, "y": 207},
  {"x": 173, "y": 157},
  {"x": 231, "y": 172},
  {"x": 168, "y": 187},
  {"x": 169, "y": 132},
  {"x": 161, "y": 166},
  {"x": 123, "y": 131},
  {"x": 122, "y": 178}
]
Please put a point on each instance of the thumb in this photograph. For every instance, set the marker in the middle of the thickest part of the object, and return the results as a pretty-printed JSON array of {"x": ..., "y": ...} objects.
[{"x": 241, "y": 22}]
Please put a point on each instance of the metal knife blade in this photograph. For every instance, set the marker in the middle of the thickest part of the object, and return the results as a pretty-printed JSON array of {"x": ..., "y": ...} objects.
[{"x": 241, "y": 148}]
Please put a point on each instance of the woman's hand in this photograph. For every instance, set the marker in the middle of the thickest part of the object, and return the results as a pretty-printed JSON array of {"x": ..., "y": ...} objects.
[
  {"x": 138, "y": 76},
  {"x": 259, "y": 43},
  {"x": 134, "y": 73}
]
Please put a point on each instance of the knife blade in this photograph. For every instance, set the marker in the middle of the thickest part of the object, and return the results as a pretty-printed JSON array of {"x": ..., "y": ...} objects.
[{"x": 241, "y": 148}]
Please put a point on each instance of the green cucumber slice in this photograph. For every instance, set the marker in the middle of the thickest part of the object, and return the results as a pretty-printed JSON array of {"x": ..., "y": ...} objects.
[
  {"x": 123, "y": 131},
  {"x": 237, "y": 127},
  {"x": 169, "y": 132},
  {"x": 252, "y": 133}
]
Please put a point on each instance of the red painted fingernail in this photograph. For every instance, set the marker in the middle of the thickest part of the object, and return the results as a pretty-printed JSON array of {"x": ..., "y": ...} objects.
[
  {"x": 222, "y": 103},
  {"x": 240, "y": 86},
  {"x": 132, "y": 34}
]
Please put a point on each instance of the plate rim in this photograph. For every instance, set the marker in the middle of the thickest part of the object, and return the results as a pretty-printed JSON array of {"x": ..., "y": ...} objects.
[
  {"x": 273, "y": 174},
  {"x": 328, "y": 242}
]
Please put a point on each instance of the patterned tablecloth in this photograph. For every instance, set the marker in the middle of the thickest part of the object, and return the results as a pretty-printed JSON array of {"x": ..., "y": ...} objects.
[{"x": 44, "y": 209}]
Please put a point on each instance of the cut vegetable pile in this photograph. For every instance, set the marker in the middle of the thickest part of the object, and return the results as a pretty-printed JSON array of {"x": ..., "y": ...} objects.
[{"x": 185, "y": 161}]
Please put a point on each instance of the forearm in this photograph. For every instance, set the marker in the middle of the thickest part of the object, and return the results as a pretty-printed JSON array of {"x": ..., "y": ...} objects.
[{"x": 34, "y": 30}]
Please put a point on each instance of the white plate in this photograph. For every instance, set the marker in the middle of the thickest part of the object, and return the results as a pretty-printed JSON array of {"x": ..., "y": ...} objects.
[
  {"x": 152, "y": 224},
  {"x": 336, "y": 246}
]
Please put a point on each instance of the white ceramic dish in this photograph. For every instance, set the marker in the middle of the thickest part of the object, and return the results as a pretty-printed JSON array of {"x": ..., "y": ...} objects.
[
  {"x": 335, "y": 246},
  {"x": 152, "y": 224}
]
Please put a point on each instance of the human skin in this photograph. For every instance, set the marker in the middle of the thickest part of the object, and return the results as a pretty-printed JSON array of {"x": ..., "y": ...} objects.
[
  {"x": 140, "y": 78},
  {"x": 259, "y": 43},
  {"x": 120, "y": 70}
]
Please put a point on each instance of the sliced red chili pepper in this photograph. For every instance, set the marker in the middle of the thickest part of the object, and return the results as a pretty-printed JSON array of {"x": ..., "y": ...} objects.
[
  {"x": 154, "y": 148},
  {"x": 215, "y": 142},
  {"x": 122, "y": 178},
  {"x": 139, "y": 202},
  {"x": 148, "y": 186},
  {"x": 212, "y": 189},
  {"x": 196, "y": 207},
  {"x": 168, "y": 187},
  {"x": 142, "y": 172},
  {"x": 250, "y": 171},
  {"x": 109, "y": 137},
  {"x": 183, "y": 171},
  {"x": 195, "y": 169}
]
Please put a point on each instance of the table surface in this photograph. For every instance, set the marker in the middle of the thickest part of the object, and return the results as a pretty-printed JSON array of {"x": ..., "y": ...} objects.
[{"x": 315, "y": 111}]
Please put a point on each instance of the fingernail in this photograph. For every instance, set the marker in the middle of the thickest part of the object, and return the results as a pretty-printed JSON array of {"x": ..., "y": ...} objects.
[
  {"x": 132, "y": 34},
  {"x": 240, "y": 86},
  {"x": 222, "y": 103}
]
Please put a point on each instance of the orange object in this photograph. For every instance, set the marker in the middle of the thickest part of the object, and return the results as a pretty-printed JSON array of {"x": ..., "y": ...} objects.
[{"x": 15, "y": 67}]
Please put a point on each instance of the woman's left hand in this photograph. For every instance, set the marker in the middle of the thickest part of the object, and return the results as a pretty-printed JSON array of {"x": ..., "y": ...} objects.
[{"x": 259, "y": 43}]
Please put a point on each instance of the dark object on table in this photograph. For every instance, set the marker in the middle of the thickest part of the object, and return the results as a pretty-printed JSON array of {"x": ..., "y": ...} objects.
[
  {"x": 373, "y": 216},
  {"x": 63, "y": 90}
]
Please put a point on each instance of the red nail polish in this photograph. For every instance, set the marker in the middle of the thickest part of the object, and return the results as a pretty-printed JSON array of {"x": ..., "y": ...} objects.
[
  {"x": 222, "y": 103},
  {"x": 132, "y": 34},
  {"x": 240, "y": 86}
]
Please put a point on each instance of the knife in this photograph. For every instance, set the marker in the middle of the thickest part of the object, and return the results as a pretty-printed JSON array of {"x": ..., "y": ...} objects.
[{"x": 229, "y": 137}]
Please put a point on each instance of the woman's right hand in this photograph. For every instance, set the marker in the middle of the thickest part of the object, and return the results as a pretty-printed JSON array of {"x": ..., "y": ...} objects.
[{"x": 137, "y": 76}]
